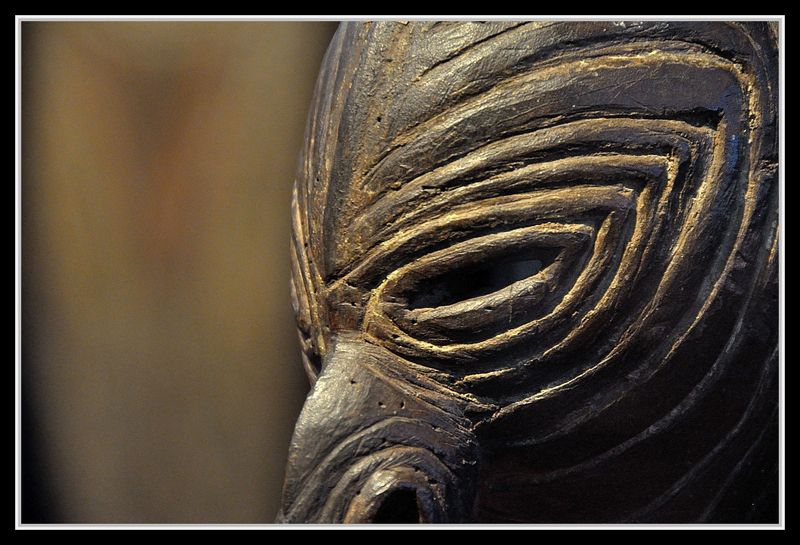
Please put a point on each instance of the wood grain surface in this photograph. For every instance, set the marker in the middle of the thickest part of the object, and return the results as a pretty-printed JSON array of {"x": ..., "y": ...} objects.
[{"x": 535, "y": 275}]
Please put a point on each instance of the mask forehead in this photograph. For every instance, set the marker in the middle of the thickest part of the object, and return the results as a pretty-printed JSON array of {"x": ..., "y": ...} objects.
[
  {"x": 404, "y": 113},
  {"x": 398, "y": 100}
]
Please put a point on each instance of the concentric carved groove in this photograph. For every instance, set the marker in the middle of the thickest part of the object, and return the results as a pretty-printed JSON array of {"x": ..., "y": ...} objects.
[{"x": 569, "y": 228}]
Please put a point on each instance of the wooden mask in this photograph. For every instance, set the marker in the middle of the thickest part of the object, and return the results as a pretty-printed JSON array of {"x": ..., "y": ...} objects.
[{"x": 535, "y": 275}]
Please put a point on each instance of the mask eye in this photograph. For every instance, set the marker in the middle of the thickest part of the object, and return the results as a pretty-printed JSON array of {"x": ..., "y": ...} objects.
[
  {"x": 526, "y": 258},
  {"x": 485, "y": 285},
  {"x": 480, "y": 279}
]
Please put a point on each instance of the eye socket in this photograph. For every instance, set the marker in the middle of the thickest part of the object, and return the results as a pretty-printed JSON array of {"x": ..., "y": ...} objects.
[
  {"x": 480, "y": 287},
  {"x": 478, "y": 279},
  {"x": 442, "y": 292}
]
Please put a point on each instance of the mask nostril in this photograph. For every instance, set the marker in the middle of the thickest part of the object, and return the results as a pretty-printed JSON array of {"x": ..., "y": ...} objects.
[{"x": 399, "y": 507}]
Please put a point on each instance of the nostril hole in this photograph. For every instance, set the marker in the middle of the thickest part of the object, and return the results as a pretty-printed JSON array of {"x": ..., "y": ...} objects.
[{"x": 400, "y": 507}]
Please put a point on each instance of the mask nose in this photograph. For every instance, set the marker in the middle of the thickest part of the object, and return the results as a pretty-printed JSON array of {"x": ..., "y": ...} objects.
[
  {"x": 401, "y": 495},
  {"x": 376, "y": 442}
]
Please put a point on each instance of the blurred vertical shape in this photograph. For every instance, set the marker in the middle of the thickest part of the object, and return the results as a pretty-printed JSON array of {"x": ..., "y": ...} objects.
[{"x": 160, "y": 364}]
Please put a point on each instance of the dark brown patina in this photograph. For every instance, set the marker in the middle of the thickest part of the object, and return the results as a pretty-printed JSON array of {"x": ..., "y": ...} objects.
[{"x": 535, "y": 275}]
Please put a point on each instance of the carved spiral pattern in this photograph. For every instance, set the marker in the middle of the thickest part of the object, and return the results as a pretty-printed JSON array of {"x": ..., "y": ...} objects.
[{"x": 559, "y": 222}]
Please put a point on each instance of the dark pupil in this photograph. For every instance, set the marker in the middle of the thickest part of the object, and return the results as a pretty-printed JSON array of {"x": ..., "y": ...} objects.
[{"x": 480, "y": 279}]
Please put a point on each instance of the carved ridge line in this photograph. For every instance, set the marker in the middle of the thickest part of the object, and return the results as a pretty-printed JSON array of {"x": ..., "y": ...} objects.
[
  {"x": 596, "y": 46},
  {"x": 512, "y": 89},
  {"x": 534, "y": 143}
]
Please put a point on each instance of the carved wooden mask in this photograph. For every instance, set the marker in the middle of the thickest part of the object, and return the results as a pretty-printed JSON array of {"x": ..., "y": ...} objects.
[{"x": 535, "y": 275}]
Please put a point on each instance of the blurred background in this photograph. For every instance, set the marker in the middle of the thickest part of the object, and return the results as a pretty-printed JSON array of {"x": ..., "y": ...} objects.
[{"x": 160, "y": 366}]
